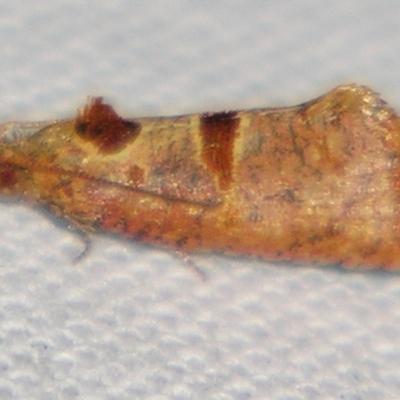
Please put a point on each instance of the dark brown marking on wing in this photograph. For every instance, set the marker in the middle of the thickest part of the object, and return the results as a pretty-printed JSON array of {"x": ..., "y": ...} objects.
[
  {"x": 8, "y": 177},
  {"x": 101, "y": 125},
  {"x": 136, "y": 174},
  {"x": 218, "y": 132}
]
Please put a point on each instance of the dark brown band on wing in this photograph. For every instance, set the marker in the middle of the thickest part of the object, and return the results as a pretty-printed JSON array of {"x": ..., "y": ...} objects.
[
  {"x": 218, "y": 132},
  {"x": 101, "y": 125}
]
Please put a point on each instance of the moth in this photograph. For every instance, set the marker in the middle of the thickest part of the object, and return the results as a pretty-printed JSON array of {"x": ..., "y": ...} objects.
[{"x": 315, "y": 183}]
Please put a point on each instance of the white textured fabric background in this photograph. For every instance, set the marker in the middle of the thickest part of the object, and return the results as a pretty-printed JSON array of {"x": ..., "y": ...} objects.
[{"x": 131, "y": 322}]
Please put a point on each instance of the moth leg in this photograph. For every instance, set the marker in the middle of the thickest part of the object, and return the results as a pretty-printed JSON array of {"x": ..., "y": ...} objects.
[
  {"x": 87, "y": 243},
  {"x": 188, "y": 261}
]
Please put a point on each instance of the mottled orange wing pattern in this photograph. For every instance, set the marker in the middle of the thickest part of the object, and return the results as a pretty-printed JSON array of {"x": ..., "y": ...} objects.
[{"x": 315, "y": 183}]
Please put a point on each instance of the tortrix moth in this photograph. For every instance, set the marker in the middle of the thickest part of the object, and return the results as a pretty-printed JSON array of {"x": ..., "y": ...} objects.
[{"x": 315, "y": 183}]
